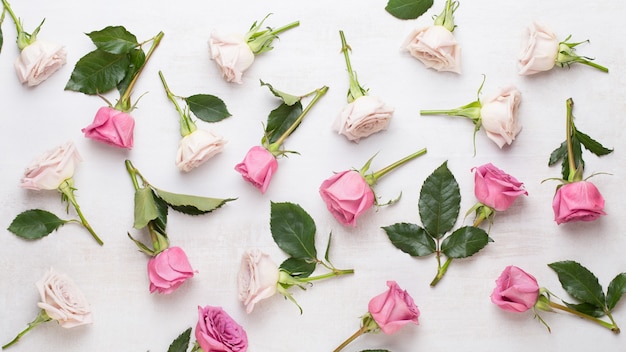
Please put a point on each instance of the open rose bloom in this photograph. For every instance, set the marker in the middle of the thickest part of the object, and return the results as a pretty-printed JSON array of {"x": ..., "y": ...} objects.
[
  {"x": 499, "y": 115},
  {"x": 365, "y": 116},
  {"x": 48, "y": 171},
  {"x": 539, "y": 50},
  {"x": 198, "y": 147},
  {"x": 232, "y": 55},
  {"x": 435, "y": 47},
  {"x": 516, "y": 290},
  {"x": 495, "y": 188},
  {"x": 62, "y": 300},
  {"x": 168, "y": 270},
  {"x": 216, "y": 331},
  {"x": 38, "y": 61},
  {"x": 393, "y": 309},
  {"x": 577, "y": 201},
  {"x": 257, "y": 278},
  {"x": 347, "y": 196},
  {"x": 112, "y": 127}
]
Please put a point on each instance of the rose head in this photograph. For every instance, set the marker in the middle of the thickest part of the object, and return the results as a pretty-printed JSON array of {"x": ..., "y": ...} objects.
[
  {"x": 62, "y": 300},
  {"x": 232, "y": 55},
  {"x": 577, "y": 201},
  {"x": 435, "y": 47},
  {"x": 364, "y": 116},
  {"x": 258, "y": 167},
  {"x": 516, "y": 290},
  {"x": 257, "y": 278},
  {"x": 393, "y": 309},
  {"x": 347, "y": 195},
  {"x": 499, "y": 116},
  {"x": 52, "y": 168},
  {"x": 495, "y": 188},
  {"x": 38, "y": 61},
  {"x": 168, "y": 270},
  {"x": 198, "y": 147},
  {"x": 216, "y": 331},
  {"x": 112, "y": 127},
  {"x": 539, "y": 50}
]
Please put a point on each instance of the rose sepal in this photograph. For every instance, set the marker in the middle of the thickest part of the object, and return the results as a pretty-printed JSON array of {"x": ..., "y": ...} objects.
[
  {"x": 260, "y": 41},
  {"x": 446, "y": 18},
  {"x": 567, "y": 56},
  {"x": 24, "y": 39}
]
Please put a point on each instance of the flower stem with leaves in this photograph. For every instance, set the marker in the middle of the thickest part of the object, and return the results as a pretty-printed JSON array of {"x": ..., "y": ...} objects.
[
  {"x": 355, "y": 91},
  {"x": 260, "y": 41},
  {"x": 42, "y": 317},
  {"x": 24, "y": 39},
  {"x": 567, "y": 56},
  {"x": 446, "y": 18},
  {"x": 67, "y": 191}
]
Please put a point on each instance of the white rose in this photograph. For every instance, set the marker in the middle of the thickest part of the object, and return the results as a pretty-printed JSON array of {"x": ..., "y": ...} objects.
[
  {"x": 62, "y": 300},
  {"x": 257, "y": 279},
  {"x": 499, "y": 116},
  {"x": 539, "y": 50},
  {"x": 38, "y": 61},
  {"x": 52, "y": 168},
  {"x": 436, "y": 47},
  {"x": 232, "y": 54},
  {"x": 364, "y": 116},
  {"x": 198, "y": 147}
]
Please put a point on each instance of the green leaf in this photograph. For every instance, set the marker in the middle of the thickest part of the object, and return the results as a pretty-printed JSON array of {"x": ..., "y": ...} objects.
[
  {"x": 142, "y": 247},
  {"x": 464, "y": 242},
  {"x": 440, "y": 201},
  {"x": 146, "y": 208},
  {"x": 288, "y": 99},
  {"x": 327, "y": 252},
  {"x": 137, "y": 59},
  {"x": 35, "y": 223},
  {"x": 98, "y": 72},
  {"x": 293, "y": 230},
  {"x": 411, "y": 239},
  {"x": 280, "y": 119},
  {"x": 579, "y": 282},
  {"x": 181, "y": 343},
  {"x": 558, "y": 154},
  {"x": 616, "y": 289},
  {"x": 114, "y": 39},
  {"x": 586, "y": 308},
  {"x": 208, "y": 108},
  {"x": 298, "y": 267},
  {"x": 592, "y": 145},
  {"x": 408, "y": 9},
  {"x": 160, "y": 222},
  {"x": 189, "y": 204}
]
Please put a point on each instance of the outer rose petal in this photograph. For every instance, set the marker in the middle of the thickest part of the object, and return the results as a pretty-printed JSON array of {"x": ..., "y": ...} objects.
[
  {"x": 495, "y": 188},
  {"x": 347, "y": 195},
  {"x": 577, "y": 201},
  {"x": 112, "y": 127},
  {"x": 258, "y": 167},
  {"x": 516, "y": 290},
  {"x": 168, "y": 270},
  {"x": 393, "y": 309}
]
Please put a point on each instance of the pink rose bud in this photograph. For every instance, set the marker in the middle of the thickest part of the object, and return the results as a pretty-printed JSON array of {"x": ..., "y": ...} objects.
[
  {"x": 393, "y": 309},
  {"x": 347, "y": 195},
  {"x": 258, "y": 167},
  {"x": 112, "y": 127},
  {"x": 232, "y": 55},
  {"x": 38, "y": 61},
  {"x": 52, "y": 168},
  {"x": 216, "y": 331},
  {"x": 495, "y": 188},
  {"x": 168, "y": 270},
  {"x": 577, "y": 201},
  {"x": 516, "y": 290}
]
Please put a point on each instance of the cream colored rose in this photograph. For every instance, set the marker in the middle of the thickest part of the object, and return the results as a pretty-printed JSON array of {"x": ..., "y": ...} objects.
[
  {"x": 198, "y": 147},
  {"x": 436, "y": 47},
  {"x": 62, "y": 300},
  {"x": 539, "y": 50},
  {"x": 257, "y": 279},
  {"x": 38, "y": 61},
  {"x": 52, "y": 168},
  {"x": 499, "y": 116},
  {"x": 364, "y": 116},
  {"x": 232, "y": 55}
]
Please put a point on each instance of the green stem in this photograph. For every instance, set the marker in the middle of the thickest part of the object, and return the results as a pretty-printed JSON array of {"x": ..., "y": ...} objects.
[
  {"x": 67, "y": 189},
  {"x": 441, "y": 270},
  {"x": 355, "y": 90},
  {"x": 18, "y": 24},
  {"x": 353, "y": 337},
  {"x": 569, "y": 128},
  {"x": 42, "y": 317},
  {"x": 613, "y": 327},
  {"x": 334, "y": 272},
  {"x": 592, "y": 64},
  {"x": 382, "y": 172},
  {"x": 133, "y": 172},
  {"x": 284, "y": 28},
  {"x": 187, "y": 126}
]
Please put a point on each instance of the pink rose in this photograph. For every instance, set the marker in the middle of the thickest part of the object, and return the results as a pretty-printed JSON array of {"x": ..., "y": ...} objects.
[
  {"x": 168, "y": 270},
  {"x": 258, "y": 167},
  {"x": 393, "y": 309},
  {"x": 347, "y": 195},
  {"x": 516, "y": 290},
  {"x": 577, "y": 201},
  {"x": 112, "y": 127},
  {"x": 499, "y": 116},
  {"x": 435, "y": 47},
  {"x": 38, "y": 61},
  {"x": 216, "y": 331},
  {"x": 257, "y": 279},
  {"x": 62, "y": 300},
  {"x": 495, "y": 188},
  {"x": 232, "y": 55},
  {"x": 52, "y": 168},
  {"x": 539, "y": 50},
  {"x": 364, "y": 116},
  {"x": 198, "y": 147}
]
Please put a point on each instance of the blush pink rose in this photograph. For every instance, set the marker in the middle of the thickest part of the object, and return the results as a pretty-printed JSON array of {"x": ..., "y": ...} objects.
[
  {"x": 216, "y": 331},
  {"x": 363, "y": 117},
  {"x": 393, "y": 309},
  {"x": 112, "y": 127},
  {"x": 232, "y": 55},
  {"x": 435, "y": 47},
  {"x": 577, "y": 201},
  {"x": 495, "y": 188},
  {"x": 52, "y": 168},
  {"x": 258, "y": 167},
  {"x": 516, "y": 290},
  {"x": 38, "y": 61},
  {"x": 62, "y": 300},
  {"x": 168, "y": 270},
  {"x": 198, "y": 147},
  {"x": 499, "y": 116},
  {"x": 539, "y": 50},
  {"x": 257, "y": 278},
  {"x": 347, "y": 195}
]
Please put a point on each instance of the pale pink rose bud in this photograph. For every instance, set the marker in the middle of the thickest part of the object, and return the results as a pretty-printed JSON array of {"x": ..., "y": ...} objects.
[
  {"x": 347, "y": 195},
  {"x": 216, "y": 331},
  {"x": 112, "y": 127},
  {"x": 577, "y": 201},
  {"x": 539, "y": 50},
  {"x": 393, "y": 309},
  {"x": 198, "y": 147},
  {"x": 38, "y": 61},
  {"x": 62, "y": 300},
  {"x": 435, "y": 47},
  {"x": 258, "y": 167},
  {"x": 495, "y": 188},
  {"x": 363, "y": 117},
  {"x": 168, "y": 270},
  {"x": 499, "y": 116},
  {"x": 257, "y": 278},
  {"x": 516, "y": 290},
  {"x": 52, "y": 168},
  {"x": 231, "y": 54}
]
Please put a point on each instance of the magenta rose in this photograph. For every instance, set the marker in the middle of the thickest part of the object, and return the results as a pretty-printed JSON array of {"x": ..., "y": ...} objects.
[
  {"x": 112, "y": 127},
  {"x": 347, "y": 195},
  {"x": 258, "y": 167},
  {"x": 168, "y": 270},
  {"x": 516, "y": 290},
  {"x": 577, "y": 201},
  {"x": 393, "y": 309},
  {"x": 495, "y": 188},
  {"x": 216, "y": 331}
]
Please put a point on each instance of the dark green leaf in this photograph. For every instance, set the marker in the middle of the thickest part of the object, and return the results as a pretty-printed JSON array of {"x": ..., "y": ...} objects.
[
  {"x": 146, "y": 208},
  {"x": 207, "y": 107},
  {"x": 327, "y": 252},
  {"x": 464, "y": 242},
  {"x": 35, "y": 223},
  {"x": 579, "y": 282},
  {"x": 98, "y": 72},
  {"x": 181, "y": 343},
  {"x": 280, "y": 119},
  {"x": 578, "y": 158},
  {"x": 616, "y": 289},
  {"x": 287, "y": 98},
  {"x": 440, "y": 201},
  {"x": 298, "y": 267},
  {"x": 592, "y": 145},
  {"x": 558, "y": 154},
  {"x": 408, "y": 9},
  {"x": 189, "y": 204},
  {"x": 142, "y": 247},
  {"x": 114, "y": 39},
  {"x": 137, "y": 59},
  {"x": 161, "y": 220},
  {"x": 586, "y": 308},
  {"x": 293, "y": 230},
  {"x": 411, "y": 239}
]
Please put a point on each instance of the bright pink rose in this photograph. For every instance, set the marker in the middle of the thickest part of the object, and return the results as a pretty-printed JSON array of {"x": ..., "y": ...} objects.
[
  {"x": 577, "y": 201},
  {"x": 347, "y": 196},
  {"x": 495, "y": 188},
  {"x": 216, "y": 331},
  {"x": 168, "y": 270},
  {"x": 258, "y": 167},
  {"x": 112, "y": 127},
  {"x": 393, "y": 309},
  {"x": 516, "y": 290}
]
